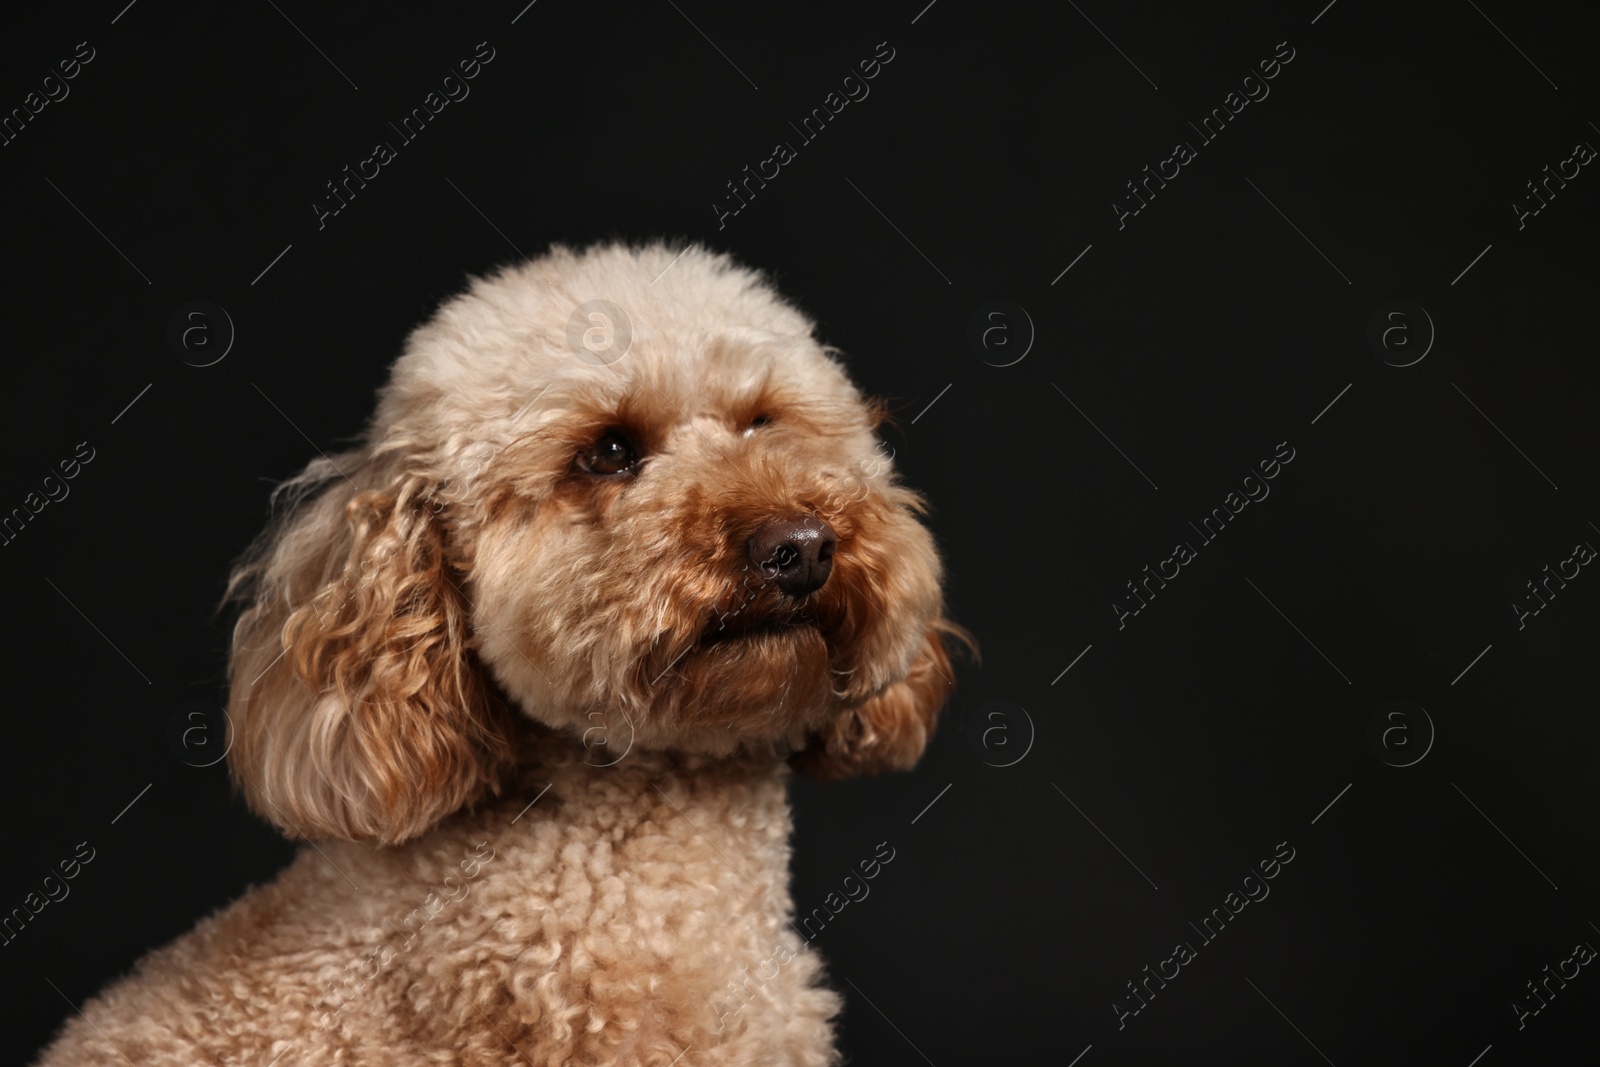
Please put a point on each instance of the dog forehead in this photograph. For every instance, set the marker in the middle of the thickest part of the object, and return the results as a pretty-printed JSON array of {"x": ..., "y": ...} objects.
[{"x": 687, "y": 331}]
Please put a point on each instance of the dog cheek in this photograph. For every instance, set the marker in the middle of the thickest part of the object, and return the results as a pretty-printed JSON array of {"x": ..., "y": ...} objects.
[
  {"x": 889, "y": 583},
  {"x": 889, "y": 731}
]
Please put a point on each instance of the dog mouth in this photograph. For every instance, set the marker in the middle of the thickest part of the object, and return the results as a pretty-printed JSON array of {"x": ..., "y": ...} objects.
[{"x": 721, "y": 631}]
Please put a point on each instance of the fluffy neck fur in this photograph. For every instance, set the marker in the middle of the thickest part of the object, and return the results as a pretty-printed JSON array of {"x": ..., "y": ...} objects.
[{"x": 626, "y": 914}]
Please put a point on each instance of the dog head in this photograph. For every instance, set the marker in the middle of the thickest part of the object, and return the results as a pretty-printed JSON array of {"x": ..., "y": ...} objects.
[{"x": 633, "y": 491}]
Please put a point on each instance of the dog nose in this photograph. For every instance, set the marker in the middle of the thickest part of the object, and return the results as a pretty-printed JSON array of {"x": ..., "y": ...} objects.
[{"x": 797, "y": 554}]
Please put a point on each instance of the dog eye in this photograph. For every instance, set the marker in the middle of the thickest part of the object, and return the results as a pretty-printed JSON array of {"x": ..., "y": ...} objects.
[
  {"x": 611, "y": 454},
  {"x": 756, "y": 423}
]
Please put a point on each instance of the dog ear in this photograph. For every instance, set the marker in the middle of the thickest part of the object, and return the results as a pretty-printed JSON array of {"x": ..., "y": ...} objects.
[
  {"x": 889, "y": 731},
  {"x": 356, "y": 709}
]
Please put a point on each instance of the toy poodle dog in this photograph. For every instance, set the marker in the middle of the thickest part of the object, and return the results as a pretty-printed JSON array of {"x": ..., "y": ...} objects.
[{"x": 527, "y": 669}]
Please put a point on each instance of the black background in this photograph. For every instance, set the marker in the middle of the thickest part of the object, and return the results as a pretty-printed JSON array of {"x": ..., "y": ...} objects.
[{"x": 1196, "y": 338}]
